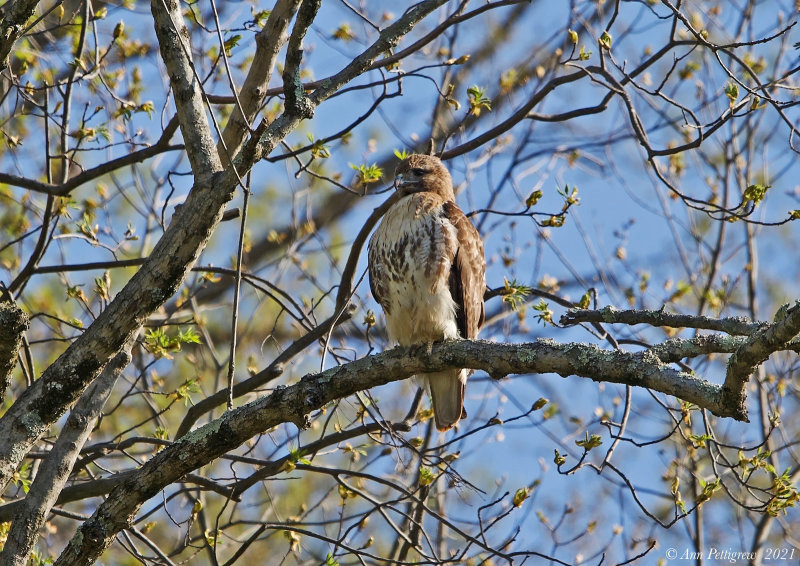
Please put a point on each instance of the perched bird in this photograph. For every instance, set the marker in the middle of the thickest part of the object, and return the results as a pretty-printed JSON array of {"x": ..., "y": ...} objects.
[{"x": 426, "y": 269}]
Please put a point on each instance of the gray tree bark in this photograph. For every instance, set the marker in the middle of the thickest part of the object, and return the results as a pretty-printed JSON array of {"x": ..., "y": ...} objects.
[
  {"x": 13, "y": 324},
  {"x": 57, "y": 467}
]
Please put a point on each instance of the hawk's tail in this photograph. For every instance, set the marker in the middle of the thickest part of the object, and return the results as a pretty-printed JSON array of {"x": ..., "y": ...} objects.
[{"x": 447, "y": 395}]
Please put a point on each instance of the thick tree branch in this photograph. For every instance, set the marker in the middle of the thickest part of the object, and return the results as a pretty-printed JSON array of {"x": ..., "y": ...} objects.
[
  {"x": 13, "y": 324},
  {"x": 173, "y": 41},
  {"x": 254, "y": 89},
  {"x": 65, "y": 380},
  {"x": 762, "y": 340},
  {"x": 677, "y": 349},
  {"x": 293, "y": 89},
  {"x": 14, "y": 16},
  {"x": 754, "y": 351},
  {"x": 292, "y": 404},
  {"x": 264, "y": 376},
  {"x": 57, "y": 467}
]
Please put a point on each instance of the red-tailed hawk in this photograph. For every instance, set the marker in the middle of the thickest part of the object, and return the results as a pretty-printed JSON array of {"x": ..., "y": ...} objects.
[{"x": 426, "y": 269}]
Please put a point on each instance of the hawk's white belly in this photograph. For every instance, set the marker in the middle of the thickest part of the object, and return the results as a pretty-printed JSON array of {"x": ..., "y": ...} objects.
[{"x": 420, "y": 317}]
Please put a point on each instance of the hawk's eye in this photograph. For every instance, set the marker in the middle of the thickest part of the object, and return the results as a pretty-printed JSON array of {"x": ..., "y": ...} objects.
[{"x": 418, "y": 172}]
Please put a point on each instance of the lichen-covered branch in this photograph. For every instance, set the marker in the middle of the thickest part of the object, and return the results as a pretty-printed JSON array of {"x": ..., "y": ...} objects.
[
  {"x": 677, "y": 349},
  {"x": 173, "y": 41},
  {"x": 737, "y": 326},
  {"x": 293, "y": 88},
  {"x": 65, "y": 380},
  {"x": 748, "y": 353},
  {"x": 266, "y": 375},
  {"x": 57, "y": 467},
  {"x": 13, "y": 324},
  {"x": 292, "y": 404},
  {"x": 755, "y": 350},
  {"x": 14, "y": 16}
]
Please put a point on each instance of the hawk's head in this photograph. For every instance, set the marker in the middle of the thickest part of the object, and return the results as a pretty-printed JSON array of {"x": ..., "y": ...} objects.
[{"x": 423, "y": 173}]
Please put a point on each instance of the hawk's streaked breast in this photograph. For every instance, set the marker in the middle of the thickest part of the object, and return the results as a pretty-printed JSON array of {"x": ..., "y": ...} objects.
[{"x": 410, "y": 257}]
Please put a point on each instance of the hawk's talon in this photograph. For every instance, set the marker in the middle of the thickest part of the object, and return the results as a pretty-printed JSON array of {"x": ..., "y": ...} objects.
[{"x": 417, "y": 349}]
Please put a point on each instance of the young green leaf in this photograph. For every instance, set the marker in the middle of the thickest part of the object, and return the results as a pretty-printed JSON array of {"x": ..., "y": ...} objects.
[
  {"x": 478, "y": 101},
  {"x": 521, "y": 495}
]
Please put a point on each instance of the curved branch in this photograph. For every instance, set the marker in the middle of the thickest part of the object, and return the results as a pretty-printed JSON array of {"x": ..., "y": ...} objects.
[
  {"x": 755, "y": 350},
  {"x": 161, "y": 146},
  {"x": 292, "y": 404},
  {"x": 735, "y": 326}
]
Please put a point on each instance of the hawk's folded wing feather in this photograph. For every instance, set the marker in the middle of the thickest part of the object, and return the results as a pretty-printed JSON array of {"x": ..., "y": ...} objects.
[{"x": 466, "y": 279}]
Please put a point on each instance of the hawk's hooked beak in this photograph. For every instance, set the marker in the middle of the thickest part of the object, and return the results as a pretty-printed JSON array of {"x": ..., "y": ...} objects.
[{"x": 405, "y": 184}]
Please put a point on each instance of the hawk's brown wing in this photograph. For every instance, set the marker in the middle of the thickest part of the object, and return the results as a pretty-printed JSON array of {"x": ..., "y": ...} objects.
[
  {"x": 466, "y": 280},
  {"x": 376, "y": 277}
]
